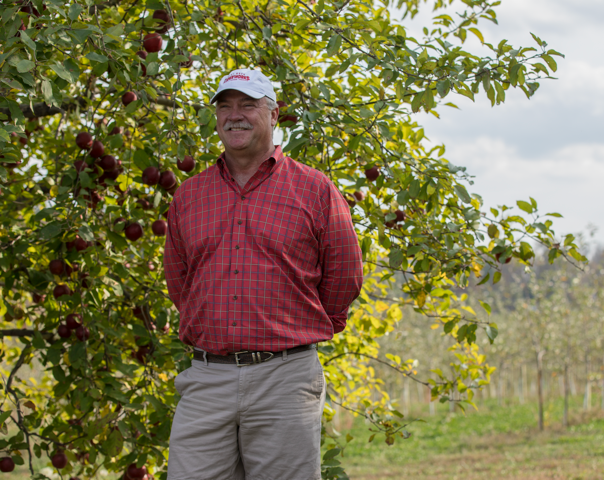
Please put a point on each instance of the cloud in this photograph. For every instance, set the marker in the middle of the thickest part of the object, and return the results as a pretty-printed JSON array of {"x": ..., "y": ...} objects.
[{"x": 568, "y": 181}]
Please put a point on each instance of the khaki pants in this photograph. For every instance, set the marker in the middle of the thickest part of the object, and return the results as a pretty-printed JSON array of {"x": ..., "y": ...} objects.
[{"x": 258, "y": 422}]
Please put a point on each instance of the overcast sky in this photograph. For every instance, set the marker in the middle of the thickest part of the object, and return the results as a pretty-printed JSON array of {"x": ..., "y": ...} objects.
[{"x": 552, "y": 146}]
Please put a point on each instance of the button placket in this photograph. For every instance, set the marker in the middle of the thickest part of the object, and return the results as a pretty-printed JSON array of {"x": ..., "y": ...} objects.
[{"x": 236, "y": 264}]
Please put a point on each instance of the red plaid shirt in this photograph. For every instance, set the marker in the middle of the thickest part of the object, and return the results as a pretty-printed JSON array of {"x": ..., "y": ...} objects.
[{"x": 267, "y": 267}]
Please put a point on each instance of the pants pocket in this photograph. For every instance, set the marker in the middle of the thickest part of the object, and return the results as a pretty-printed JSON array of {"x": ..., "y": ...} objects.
[
  {"x": 180, "y": 382},
  {"x": 319, "y": 378}
]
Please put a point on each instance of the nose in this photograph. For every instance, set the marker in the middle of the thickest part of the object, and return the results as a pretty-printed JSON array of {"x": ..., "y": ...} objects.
[{"x": 235, "y": 113}]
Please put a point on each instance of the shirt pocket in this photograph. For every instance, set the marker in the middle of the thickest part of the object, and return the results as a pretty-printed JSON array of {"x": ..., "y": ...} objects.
[{"x": 285, "y": 232}]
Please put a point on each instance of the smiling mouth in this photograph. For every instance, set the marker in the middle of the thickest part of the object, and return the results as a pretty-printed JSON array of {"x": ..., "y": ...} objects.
[{"x": 239, "y": 129}]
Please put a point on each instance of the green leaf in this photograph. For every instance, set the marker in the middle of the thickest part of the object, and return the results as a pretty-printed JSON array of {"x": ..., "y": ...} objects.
[
  {"x": 80, "y": 35},
  {"x": 496, "y": 277},
  {"x": 24, "y": 66},
  {"x": 478, "y": 33},
  {"x": 395, "y": 258},
  {"x": 50, "y": 230},
  {"x": 152, "y": 69},
  {"x": 38, "y": 280},
  {"x": 97, "y": 57},
  {"x": 525, "y": 206},
  {"x": 74, "y": 11},
  {"x": 4, "y": 416},
  {"x": 492, "y": 332},
  {"x": 47, "y": 93},
  {"x": 462, "y": 193},
  {"x": 333, "y": 47},
  {"x": 118, "y": 241},
  {"x": 141, "y": 159},
  {"x": 557, "y": 215},
  {"x": 27, "y": 41},
  {"x": 486, "y": 306},
  {"x": 86, "y": 233}
]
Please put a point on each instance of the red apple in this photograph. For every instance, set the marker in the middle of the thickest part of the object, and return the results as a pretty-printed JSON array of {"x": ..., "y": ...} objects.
[
  {"x": 167, "y": 179},
  {"x": 59, "y": 460},
  {"x": 80, "y": 244},
  {"x": 56, "y": 267},
  {"x": 84, "y": 140},
  {"x": 108, "y": 163},
  {"x": 151, "y": 176},
  {"x": 372, "y": 173},
  {"x": 288, "y": 118},
  {"x": 98, "y": 149},
  {"x": 159, "y": 227},
  {"x": 61, "y": 290},
  {"x": 80, "y": 165},
  {"x": 141, "y": 356},
  {"x": 187, "y": 63},
  {"x": 73, "y": 320},
  {"x": 152, "y": 42},
  {"x": 82, "y": 333},
  {"x": 164, "y": 20},
  {"x": 137, "y": 311},
  {"x": 133, "y": 471},
  {"x": 38, "y": 298},
  {"x": 400, "y": 216},
  {"x": 145, "y": 205},
  {"x": 187, "y": 165},
  {"x": 390, "y": 223},
  {"x": 172, "y": 190},
  {"x": 142, "y": 54},
  {"x": 84, "y": 280},
  {"x": 128, "y": 98},
  {"x": 350, "y": 201},
  {"x": 7, "y": 465},
  {"x": 116, "y": 131},
  {"x": 498, "y": 256},
  {"x": 64, "y": 331},
  {"x": 360, "y": 196},
  {"x": 133, "y": 231}
]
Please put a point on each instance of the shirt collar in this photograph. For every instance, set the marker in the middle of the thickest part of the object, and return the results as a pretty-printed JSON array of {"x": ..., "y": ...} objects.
[{"x": 275, "y": 158}]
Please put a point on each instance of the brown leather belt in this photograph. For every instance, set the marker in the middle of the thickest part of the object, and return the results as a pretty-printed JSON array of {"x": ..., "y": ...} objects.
[{"x": 241, "y": 359}]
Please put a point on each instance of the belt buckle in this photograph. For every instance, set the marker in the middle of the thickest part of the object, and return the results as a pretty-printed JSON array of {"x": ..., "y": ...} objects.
[{"x": 256, "y": 358}]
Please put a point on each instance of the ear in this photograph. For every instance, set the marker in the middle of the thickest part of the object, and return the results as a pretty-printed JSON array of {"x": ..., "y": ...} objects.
[{"x": 274, "y": 116}]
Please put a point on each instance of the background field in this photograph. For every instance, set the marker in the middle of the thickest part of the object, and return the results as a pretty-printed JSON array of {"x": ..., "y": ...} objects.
[{"x": 497, "y": 442}]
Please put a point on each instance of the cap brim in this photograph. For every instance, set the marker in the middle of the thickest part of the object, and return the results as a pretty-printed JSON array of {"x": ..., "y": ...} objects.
[{"x": 247, "y": 91}]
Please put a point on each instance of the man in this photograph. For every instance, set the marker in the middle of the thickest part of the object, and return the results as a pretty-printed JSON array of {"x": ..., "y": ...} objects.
[{"x": 261, "y": 257}]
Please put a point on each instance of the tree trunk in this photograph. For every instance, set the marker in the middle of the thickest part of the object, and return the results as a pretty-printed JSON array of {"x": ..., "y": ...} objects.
[
  {"x": 406, "y": 397},
  {"x": 587, "y": 395},
  {"x": 500, "y": 384},
  {"x": 540, "y": 387},
  {"x": 566, "y": 395},
  {"x": 525, "y": 392},
  {"x": 602, "y": 388}
]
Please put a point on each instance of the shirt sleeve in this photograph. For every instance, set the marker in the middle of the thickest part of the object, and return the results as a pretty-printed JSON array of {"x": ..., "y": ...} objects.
[
  {"x": 340, "y": 258},
  {"x": 175, "y": 258}
]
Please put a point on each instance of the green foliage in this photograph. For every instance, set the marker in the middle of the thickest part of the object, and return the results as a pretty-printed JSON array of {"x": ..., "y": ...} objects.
[{"x": 351, "y": 76}]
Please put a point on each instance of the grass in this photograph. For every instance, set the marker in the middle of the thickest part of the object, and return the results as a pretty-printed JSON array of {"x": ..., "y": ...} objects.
[{"x": 493, "y": 443}]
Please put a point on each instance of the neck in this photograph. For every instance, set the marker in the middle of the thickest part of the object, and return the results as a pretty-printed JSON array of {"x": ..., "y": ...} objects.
[{"x": 246, "y": 163}]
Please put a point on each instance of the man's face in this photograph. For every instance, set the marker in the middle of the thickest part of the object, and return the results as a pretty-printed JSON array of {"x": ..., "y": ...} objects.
[{"x": 244, "y": 124}]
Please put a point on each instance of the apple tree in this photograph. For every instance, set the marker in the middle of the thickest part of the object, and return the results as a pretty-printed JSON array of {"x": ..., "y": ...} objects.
[{"x": 104, "y": 111}]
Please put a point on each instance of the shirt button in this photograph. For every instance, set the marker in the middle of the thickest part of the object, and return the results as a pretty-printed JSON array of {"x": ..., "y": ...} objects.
[
  {"x": 239, "y": 222},
  {"x": 242, "y": 197},
  {"x": 236, "y": 247},
  {"x": 234, "y": 297},
  {"x": 236, "y": 272},
  {"x": 234, "y": 324}
]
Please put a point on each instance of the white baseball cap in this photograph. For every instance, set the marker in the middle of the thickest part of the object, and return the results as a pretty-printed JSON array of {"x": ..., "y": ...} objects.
[{"x": 251, "y": 82}]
